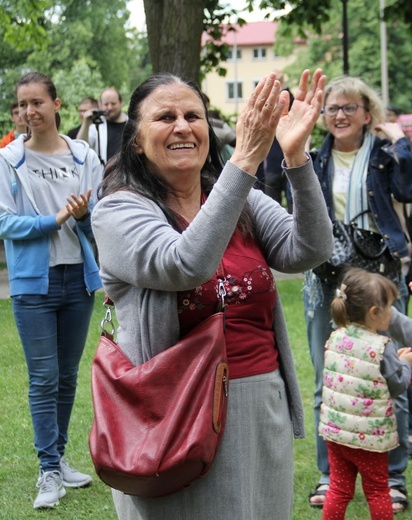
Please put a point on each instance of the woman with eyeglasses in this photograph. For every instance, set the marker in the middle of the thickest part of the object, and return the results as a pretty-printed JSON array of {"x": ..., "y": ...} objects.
[{"x": 360, "y": 173}]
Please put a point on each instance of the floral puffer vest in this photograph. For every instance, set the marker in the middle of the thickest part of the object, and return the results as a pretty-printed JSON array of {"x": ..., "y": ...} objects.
[{"x": 357, "y": 409}]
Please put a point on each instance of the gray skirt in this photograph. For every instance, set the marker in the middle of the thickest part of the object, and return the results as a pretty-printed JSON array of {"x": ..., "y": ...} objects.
[{"x": 252, "y": 475}]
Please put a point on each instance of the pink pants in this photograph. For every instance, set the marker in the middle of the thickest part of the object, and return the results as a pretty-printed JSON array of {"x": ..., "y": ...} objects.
[{"x": 345, "y": 463}]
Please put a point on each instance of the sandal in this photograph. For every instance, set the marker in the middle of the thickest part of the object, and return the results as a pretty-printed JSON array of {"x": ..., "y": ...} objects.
[
  {"x": 399, "y": 501},
  {"x": 320, "y": 494}
]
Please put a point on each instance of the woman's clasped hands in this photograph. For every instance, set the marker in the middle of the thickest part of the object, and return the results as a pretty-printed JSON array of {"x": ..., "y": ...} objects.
[
  {"x": 76, "y": 207},
  {"x": 267, "y": 115}
]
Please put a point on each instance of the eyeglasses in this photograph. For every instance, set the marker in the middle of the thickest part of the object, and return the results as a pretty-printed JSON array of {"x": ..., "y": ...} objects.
[{"x": 349, "y": 109}]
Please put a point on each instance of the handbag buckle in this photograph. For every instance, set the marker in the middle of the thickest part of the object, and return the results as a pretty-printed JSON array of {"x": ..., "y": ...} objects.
[
  {"x": 221, "y": 293},
  {"x": 107, "y": 321}
]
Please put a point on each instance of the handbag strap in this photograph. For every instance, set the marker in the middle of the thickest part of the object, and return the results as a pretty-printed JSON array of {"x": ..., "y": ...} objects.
[{"x": 353, "y": 221}]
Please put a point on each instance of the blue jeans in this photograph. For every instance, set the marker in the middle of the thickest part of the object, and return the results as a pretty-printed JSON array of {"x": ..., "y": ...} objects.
[
  {"x": 53, "y": 330},
  {"x": 319, "y": 327}
]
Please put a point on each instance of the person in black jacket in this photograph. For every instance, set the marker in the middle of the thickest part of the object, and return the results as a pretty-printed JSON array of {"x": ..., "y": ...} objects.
[{"x": 276, "y": 183}]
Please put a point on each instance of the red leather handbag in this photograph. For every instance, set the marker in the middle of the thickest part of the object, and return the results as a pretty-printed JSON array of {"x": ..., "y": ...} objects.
[{"x": 157, "y": 426}]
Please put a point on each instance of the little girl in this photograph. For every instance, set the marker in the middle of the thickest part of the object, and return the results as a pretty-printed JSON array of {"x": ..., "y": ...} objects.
[{"x": 363, "y": 372}]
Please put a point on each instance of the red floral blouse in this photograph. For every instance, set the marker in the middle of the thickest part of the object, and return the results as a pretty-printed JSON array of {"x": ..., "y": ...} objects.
[{"x": 250, "y": 299}]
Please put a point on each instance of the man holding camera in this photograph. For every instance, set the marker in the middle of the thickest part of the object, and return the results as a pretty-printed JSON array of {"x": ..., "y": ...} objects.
[
  {"x": 103, "y": 129},
  {"x": 87, "y": 103}
]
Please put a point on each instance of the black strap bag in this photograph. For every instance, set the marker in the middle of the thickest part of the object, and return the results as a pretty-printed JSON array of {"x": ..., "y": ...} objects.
[{"x": 358, "y": 248}]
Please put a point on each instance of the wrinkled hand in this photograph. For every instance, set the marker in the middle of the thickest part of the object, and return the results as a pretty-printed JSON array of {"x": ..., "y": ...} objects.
[
  {"x": 393, "y": 131},
  {"x": 295, "y": 126},
  {"x": 256, "y": 126},
  {"x": 266, "y": 114}
]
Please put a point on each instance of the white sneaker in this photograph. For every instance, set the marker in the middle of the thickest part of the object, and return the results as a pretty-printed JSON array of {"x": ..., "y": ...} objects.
[
  {"x": 73, "y": 478},
  {"x": 51, "y": 488}
]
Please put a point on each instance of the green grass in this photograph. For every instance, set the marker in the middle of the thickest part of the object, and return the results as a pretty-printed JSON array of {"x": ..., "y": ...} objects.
[{"x": 18, "y": 461}]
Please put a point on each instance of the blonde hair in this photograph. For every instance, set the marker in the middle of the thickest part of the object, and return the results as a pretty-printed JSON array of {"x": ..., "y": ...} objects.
[
  {"x": 353, "y": 87},
  {"x": 359, "y": 291}
]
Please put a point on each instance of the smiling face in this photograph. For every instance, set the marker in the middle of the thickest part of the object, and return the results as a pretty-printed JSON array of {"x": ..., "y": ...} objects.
[
  {"x": 37, "y": 109},
  {"x": 111, "y": 102},
  {"x": 347, "y": 130},
  {"x": 173, "y": 138}
]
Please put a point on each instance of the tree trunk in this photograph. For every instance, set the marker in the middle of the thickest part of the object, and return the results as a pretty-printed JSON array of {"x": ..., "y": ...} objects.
[{"x": 174, "y": 29}]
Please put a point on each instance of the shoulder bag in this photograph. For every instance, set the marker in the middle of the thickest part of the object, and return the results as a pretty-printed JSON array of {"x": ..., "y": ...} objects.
[
  {"x": 157, "y": 426},
  {"x": 357, "y": 247}
]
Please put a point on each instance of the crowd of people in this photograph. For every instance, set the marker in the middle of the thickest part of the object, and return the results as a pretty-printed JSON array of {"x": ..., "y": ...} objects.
[
  {"x": 103, "y": 131},
  {"x": 144, "y": 205}
]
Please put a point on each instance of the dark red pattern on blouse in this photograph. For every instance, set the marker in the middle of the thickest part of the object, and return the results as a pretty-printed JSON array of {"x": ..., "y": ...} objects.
[{"x": 250, "y": 299}]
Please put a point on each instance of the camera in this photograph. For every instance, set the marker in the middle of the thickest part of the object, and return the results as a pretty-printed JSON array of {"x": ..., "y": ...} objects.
[{"x": 97, "y": 116}]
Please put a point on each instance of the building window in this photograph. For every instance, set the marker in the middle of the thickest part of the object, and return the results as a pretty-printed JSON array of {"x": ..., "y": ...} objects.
[
  {"x": 231, "y": 55},
  {"x": 259, "y": 53},
  {"x": 255, "y": 83},
  {"x": 234, "y": 90}
]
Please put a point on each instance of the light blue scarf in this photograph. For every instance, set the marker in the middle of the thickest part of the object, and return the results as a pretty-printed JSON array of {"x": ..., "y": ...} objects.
[{"x": 357, "y": 195}]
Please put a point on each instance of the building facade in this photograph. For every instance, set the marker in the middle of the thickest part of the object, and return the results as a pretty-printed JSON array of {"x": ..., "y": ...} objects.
[{"x": 252, "y": 56}]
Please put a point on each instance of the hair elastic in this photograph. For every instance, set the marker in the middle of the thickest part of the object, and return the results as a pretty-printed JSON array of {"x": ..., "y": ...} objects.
[{"x": 340, "y": 293}]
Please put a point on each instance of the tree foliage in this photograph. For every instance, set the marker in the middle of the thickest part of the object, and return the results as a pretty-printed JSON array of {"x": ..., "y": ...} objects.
[
  {"x": 23, "y": 22},
  {"x": 313, "y": 14},
  {"x": 83, "y": 45},
  {"x": 86, "y": 45},
  {"x": 178, "y": 51},
  {"x": 326, "y": 50}
]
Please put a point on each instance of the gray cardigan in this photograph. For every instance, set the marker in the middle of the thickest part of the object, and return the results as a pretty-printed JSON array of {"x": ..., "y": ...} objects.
[{"x": 144, "y": 261}]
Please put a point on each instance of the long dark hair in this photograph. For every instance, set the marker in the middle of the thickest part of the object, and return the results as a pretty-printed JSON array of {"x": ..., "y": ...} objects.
[
  {"x": 38, "y": 77},
  {"x": 127, "y": 171}
]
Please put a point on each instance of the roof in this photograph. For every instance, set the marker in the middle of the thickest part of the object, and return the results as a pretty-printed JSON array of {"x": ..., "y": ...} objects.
[{"x": 253, "y": 33}]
